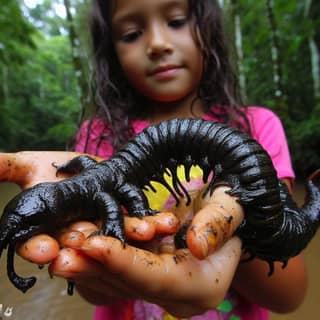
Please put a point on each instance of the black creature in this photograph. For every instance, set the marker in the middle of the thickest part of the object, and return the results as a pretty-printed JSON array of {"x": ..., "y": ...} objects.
[{"x": 274, "y": 228}]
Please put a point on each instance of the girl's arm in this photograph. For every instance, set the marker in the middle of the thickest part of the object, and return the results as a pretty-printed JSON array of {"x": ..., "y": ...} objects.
[{"x": 282, "y": 292}]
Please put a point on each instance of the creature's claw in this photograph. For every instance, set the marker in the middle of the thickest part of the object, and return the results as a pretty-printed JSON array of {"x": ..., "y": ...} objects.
[
  {"x": 70, "y": 288},
  {"x": 113, "y": 223},
  {"x": 75, "y": 165}
]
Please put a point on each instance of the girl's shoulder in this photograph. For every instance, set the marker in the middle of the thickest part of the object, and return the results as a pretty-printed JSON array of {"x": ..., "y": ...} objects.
[
  {"x": 261, "y": 113},
  {"x": 263, "y": 120},
  {"x": 267, "y": 129}
]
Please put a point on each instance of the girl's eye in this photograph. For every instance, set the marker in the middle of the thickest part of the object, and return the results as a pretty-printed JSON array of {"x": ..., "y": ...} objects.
[
  {"x": 131, "y": 36},
  {"x": 177, "y": 23}
]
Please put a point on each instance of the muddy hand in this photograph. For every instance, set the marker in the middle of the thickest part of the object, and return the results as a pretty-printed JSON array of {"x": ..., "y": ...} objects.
[
  {"x": 104, "y": 271},
  {"x": 27, "y": 168}
]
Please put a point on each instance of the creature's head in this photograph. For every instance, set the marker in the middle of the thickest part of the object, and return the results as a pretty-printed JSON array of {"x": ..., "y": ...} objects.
[{"x": 23, "y": 211}]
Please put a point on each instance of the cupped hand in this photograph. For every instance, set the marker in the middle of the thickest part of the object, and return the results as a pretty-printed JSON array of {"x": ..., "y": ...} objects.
[{"x": 104, "y": 272}]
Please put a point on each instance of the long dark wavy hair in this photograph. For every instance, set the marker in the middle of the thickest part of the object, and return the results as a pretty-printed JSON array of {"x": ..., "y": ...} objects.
[{"x": 117, "y": 102}]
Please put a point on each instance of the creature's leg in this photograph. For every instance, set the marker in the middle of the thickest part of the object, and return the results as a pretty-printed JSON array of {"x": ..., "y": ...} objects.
[
  {"x": 75, "y": 165},
  {"x": 135, "y": 201},
  {"x": 111, "y": 214},
  {"x": 176, "y": 183},
  {"x": 25, "y": 234}
]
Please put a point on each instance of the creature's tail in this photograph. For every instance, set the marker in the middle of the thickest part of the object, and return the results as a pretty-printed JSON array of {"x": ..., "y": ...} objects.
[
  {"x": 297, "y": 226},
  {"x": 300, "y": 225}
]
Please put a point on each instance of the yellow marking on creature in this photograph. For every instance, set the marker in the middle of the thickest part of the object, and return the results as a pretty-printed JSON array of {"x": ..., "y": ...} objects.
[{"x": 157, "y": 200}]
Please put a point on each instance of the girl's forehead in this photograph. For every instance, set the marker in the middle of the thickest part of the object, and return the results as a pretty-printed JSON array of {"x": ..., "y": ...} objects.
[{"x": 129, "y": 7}]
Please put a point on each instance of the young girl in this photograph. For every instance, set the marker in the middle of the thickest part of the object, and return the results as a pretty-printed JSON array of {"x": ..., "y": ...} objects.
[{"x": 157, "y": 60}]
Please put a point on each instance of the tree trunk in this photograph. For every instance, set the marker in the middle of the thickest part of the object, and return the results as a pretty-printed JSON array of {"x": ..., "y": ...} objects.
[
  {"x": 80, "y": 71},
  {"x": 230, "y": 8},
  {"x": 4, "y": 95},
  {"x": 315, "y": 55},
  {"x": 275, "y": 56},
  {"x": 239, "y": 50}
]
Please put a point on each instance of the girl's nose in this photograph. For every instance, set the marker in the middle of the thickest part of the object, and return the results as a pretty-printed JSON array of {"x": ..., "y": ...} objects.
[{"x": 158, "y": 42}]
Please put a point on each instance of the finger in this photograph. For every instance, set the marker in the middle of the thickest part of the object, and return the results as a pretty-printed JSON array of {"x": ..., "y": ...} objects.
[
  {"x": 165, "y": 222},
  {"x": 135, "y": 228},
  {"x": 40, "y": 249},
  {"x": 168, "y": 275},
  {"x": 84, "y": 227},
  {"x": 71, "y": 263},
  {"x": 89, "y": 274},
  {"x": 71, "y": 239},
  {"x": 146, "y": 228},
  {"x": 214, "y": 224}
]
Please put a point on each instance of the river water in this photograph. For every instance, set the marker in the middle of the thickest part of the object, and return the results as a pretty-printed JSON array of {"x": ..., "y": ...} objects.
[{"x": 48, "y": 299}]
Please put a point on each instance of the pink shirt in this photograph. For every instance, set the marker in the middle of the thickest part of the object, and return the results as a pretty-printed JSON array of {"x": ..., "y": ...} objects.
[{"x": 267, "y": 129}]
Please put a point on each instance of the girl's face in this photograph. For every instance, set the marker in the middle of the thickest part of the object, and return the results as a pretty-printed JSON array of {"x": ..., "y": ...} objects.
[{"x": 157, "y": 48}]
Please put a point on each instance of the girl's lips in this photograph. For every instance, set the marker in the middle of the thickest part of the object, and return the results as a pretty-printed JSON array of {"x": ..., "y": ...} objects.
[{"x": 165, "y": 72}]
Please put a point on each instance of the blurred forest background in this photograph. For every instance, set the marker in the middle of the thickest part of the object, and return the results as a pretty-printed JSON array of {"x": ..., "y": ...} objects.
[{"x": 45, "y": 69}]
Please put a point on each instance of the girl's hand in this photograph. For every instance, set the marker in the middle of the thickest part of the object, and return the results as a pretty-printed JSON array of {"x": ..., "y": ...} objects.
[
  {"x": 104, "y": 272},
  {"x": 27, "y": 168}
]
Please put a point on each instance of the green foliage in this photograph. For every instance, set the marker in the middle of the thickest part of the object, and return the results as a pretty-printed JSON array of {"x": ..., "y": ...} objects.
[
  {"x": 43, "y": 104},
  {"x": 304, "y": 142},
  {"x": 40, "y": 97},
  {"x": 15, "y": 33},
  {"x": 298, "y": 107}
]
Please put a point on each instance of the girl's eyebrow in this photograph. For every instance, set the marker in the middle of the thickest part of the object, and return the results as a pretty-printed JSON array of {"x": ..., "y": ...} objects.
[
  {"x": 124, "y": 16},
  {"x": 118, "y": 19}
]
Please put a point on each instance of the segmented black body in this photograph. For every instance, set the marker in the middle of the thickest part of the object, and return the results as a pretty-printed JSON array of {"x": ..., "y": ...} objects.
[{"x": 274, "y": 228}]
